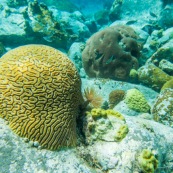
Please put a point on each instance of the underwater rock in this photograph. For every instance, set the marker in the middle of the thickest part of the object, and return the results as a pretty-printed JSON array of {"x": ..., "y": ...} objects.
[
  {"x": 158, "y": 46},
  {"x": 152, "y": 76},
  {"x": 163, "y": 107},
  {"x": 166, "y": 66},
  {"x": 37, "y": 23},
  {"x": 166, "y": 17},
  {"x": 13, "y": 27},
  {"x": 72, "y": 23},
  {"x": 107, "y": 125},
  {"x": 18, "y": 156},
  {"x": 151, "y": 45},
  {"x": 44, "y": 26},
  {"x": 75, "y": 54},
  {"x": 164, "y": 52}
]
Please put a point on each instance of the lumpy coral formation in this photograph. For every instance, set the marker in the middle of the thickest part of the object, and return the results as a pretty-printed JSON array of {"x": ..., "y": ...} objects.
[
  {"x": 115, "y": 97},
  {"x": 152, "y": 76},
  {"x": 168, "y": 84},
  {"x": 107, "y": 125},
  {"x": 136, "y": 100},
  {"x": 147, "y": 161},
  {"x": 99, "y": 113},
  {"x": 40, "y": 95},
  {"x": 121, "y": 133},
  {"x": 111, "y": 53}
]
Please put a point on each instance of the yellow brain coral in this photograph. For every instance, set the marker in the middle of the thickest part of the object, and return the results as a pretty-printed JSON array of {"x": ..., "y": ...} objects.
[{"x": 40, "y": 95}]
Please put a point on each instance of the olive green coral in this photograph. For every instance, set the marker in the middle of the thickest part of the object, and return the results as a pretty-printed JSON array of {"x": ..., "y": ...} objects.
[
  {"x": 135, "y": 100},
  {"x": 121, "y": 133},
  {"x": 40, "y": 95},
  {"x": 152, "y": 76},
  {"x": 147, "y": 161},
  {"x": 168, "y": 84}
]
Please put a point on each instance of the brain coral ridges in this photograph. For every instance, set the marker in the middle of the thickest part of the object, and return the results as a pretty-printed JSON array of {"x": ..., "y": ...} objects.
[{"x": 40, "y": 95}]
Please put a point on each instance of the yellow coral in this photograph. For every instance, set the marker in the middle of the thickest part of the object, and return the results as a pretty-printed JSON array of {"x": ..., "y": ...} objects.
[
  {"x": 121, "y": 133},
  {"x": 136, "y": 101},
  {"x": 116, "y": 114},
  {"x": 147, "y": 161},
  {"x": 98, "y": 112},
  {"x": 168, "y": 84},
  {"x": 40, "y": 94}
]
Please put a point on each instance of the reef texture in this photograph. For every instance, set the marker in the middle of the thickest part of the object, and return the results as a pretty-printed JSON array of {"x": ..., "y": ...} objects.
[
  {"x": 136, "y": 101},
  {"x": 114, "y": 142},
  {"x": 163, "y": 57},
  {"x": 163, "y": 107},
  {"x": 40, "y": 95},
  {"x": 115, "y": 97},
  {"x": 111, "y": 53},
  {"x": 152, "y": 76},
  {"x": 126, "y": 145}
]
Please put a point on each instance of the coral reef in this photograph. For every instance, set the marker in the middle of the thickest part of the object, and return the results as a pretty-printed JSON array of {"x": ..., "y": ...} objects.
[
  {"x": 108, "y": 125},
  {"x": 152, "y": 76},
  {"x": 111, "y": 53},
  {"x": 121, "y": 133},
  {"x": 147, "y": 161},
  {"x": 40, "y": 95},
  {"x": 163, "y": 107},
  {"x": 115, "y": 97},
  {"x": 133, "y": 74},
  {"x": 43, "y": 24},
  {"x": 135, "y": 100},
  {"x": 98, "y": 113},
  {"x": 168, "y": 84}
]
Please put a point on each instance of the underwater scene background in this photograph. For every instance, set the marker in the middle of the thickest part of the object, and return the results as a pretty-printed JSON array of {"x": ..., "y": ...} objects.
[{"x": 86, "y": 86}]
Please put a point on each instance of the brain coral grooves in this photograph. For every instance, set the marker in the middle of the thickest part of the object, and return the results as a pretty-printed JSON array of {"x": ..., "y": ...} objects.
[{"x": 40, "y": 95}]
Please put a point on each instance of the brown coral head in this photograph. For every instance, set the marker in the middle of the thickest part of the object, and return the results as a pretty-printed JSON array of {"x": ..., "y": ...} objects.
[
  {"x": 107, "y": 49},
  {"x": 115, "y": 97},
  {"x": 40, "y": 94}
]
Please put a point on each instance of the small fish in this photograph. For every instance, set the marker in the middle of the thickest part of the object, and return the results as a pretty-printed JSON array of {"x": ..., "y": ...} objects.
[
  {"x": 153, "y": 14},
  {"x": 110, "y": 59},
  {"x": 130, "y": 22},
  {"x": 48, "y": 38}
]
